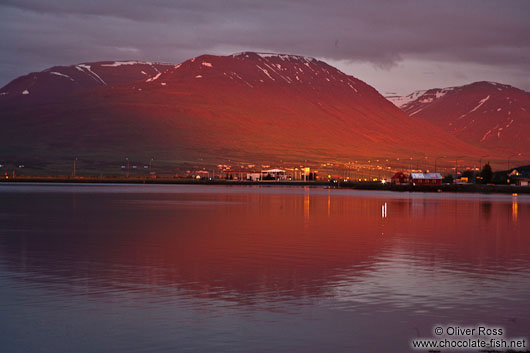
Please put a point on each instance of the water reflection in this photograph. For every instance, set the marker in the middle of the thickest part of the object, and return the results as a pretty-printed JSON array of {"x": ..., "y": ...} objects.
[
  {"x": 274, "y": 250},
  {"x": 485, "y": 208},
  {"x": 249, "y": 245},
  {"x": 514, "y": 207}
]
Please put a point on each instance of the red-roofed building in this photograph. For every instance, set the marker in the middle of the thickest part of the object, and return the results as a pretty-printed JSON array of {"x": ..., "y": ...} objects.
[
  {"x": 400, "y": 178},
  {"x": 426, "y": 178}
]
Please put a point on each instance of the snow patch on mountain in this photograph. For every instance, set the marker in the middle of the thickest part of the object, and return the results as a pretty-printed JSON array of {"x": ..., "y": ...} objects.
[
  {"x": 121, "y": 63},
  {"x": 422, "y": 96},
  {"x": 400, "y": 101},
  {"x": 60, "y": 74},
  {"x": 486, "y": 135},
  {"x": 416, "y": 112},
  {"x": 481, "y": 102},
  {"x": 88, "y": 69},
  {"x": 265, "y": 72},
  {"x": 283, "y": 57},
  {"x": 153, "y": 78},
  {"x": 353, "y": 88}
]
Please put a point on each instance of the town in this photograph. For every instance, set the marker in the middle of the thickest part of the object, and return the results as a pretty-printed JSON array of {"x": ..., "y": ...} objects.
[{"x": 329, "y": 175}]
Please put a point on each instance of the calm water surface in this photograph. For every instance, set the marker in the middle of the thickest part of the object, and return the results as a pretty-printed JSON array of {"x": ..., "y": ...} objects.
[{"x": 181, "y": 268}]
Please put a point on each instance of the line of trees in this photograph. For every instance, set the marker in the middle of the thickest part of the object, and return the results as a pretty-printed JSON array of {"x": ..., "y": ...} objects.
[{"x": 485, "y": 176}]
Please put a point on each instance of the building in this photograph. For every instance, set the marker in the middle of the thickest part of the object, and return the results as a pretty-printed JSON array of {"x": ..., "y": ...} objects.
[
  {"x": 301, "y": 173},
  {"x": 399, "y": 178},
  {"x": 426, "y": 178},
  {"x": 273, "y": 174},
  {"x": 519, "y": 178},
  {"x": 254, "y": 176},
  {"x": 235, "y": 174}
]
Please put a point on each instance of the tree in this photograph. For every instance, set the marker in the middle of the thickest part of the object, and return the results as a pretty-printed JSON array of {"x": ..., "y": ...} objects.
[
  {"x": 486, "y": 174},
  {"x": 500, "y": 178},
  {"x": 448, "y": 179}
]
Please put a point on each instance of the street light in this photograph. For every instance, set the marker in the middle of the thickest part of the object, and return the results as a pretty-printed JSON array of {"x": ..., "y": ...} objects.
[{"x": 456, "y": 165}]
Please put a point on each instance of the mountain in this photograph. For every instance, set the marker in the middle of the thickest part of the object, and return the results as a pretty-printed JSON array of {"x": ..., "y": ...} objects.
[
  {"x": 489, "y": 115},
  {"x": 402, "y": 100},
  {"x": 247, "y": 107},
  {"x": 54, "y": 83}
]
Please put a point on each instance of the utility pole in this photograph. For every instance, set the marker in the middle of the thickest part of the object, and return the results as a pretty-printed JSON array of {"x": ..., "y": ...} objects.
[
  {"x": 127, "y": 159},
  {"x": 150, "y": 165},
  {"x": 75, "y": 165},
  {"x": 480, "y": 162},
  {"x": 435, "y": 164}
]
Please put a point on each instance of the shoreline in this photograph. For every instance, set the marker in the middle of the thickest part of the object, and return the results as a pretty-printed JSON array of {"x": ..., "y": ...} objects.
[{"x": 458, "y": 188}]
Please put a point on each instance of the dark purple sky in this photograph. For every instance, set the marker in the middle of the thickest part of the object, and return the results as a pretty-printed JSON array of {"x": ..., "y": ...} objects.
[{"x": 396, "y": 46}]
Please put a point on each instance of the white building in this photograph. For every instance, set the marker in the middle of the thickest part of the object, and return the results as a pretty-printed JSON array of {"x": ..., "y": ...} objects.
[
  {"x": 253, "y": 176},
  {"x": 273, "y": 174}
]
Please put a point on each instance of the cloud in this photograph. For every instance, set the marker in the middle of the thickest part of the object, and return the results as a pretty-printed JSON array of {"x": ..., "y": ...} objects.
[{"x": 36, "y": 34}]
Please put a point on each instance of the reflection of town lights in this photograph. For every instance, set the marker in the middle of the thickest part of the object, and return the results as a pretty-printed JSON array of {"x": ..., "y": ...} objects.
[
  {"x": 514, "y": 207},
  {"x": 383, "y": 211}
]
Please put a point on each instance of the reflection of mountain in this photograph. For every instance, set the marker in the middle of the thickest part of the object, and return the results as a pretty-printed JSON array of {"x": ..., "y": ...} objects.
[{"x": 250, "y": 245}]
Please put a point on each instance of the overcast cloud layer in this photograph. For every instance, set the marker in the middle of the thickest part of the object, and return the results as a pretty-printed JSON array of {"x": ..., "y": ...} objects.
[{"x": 396, "y": 46}]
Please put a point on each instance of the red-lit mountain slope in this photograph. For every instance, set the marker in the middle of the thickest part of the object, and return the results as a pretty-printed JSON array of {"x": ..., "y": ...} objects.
[
  {"x": 487, "y": 114},
  {"x": 243, "y": 107}
]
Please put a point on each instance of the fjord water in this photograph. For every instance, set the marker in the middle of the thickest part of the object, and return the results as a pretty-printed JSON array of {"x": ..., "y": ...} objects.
[{"x": 183, "y": 268}]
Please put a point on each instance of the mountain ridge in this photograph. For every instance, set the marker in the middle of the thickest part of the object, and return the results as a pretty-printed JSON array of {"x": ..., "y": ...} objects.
[
  {"x": 486, "y": 114},
  {"x": 255, "y": 107},
  {"x": 54, "y": 82}
]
